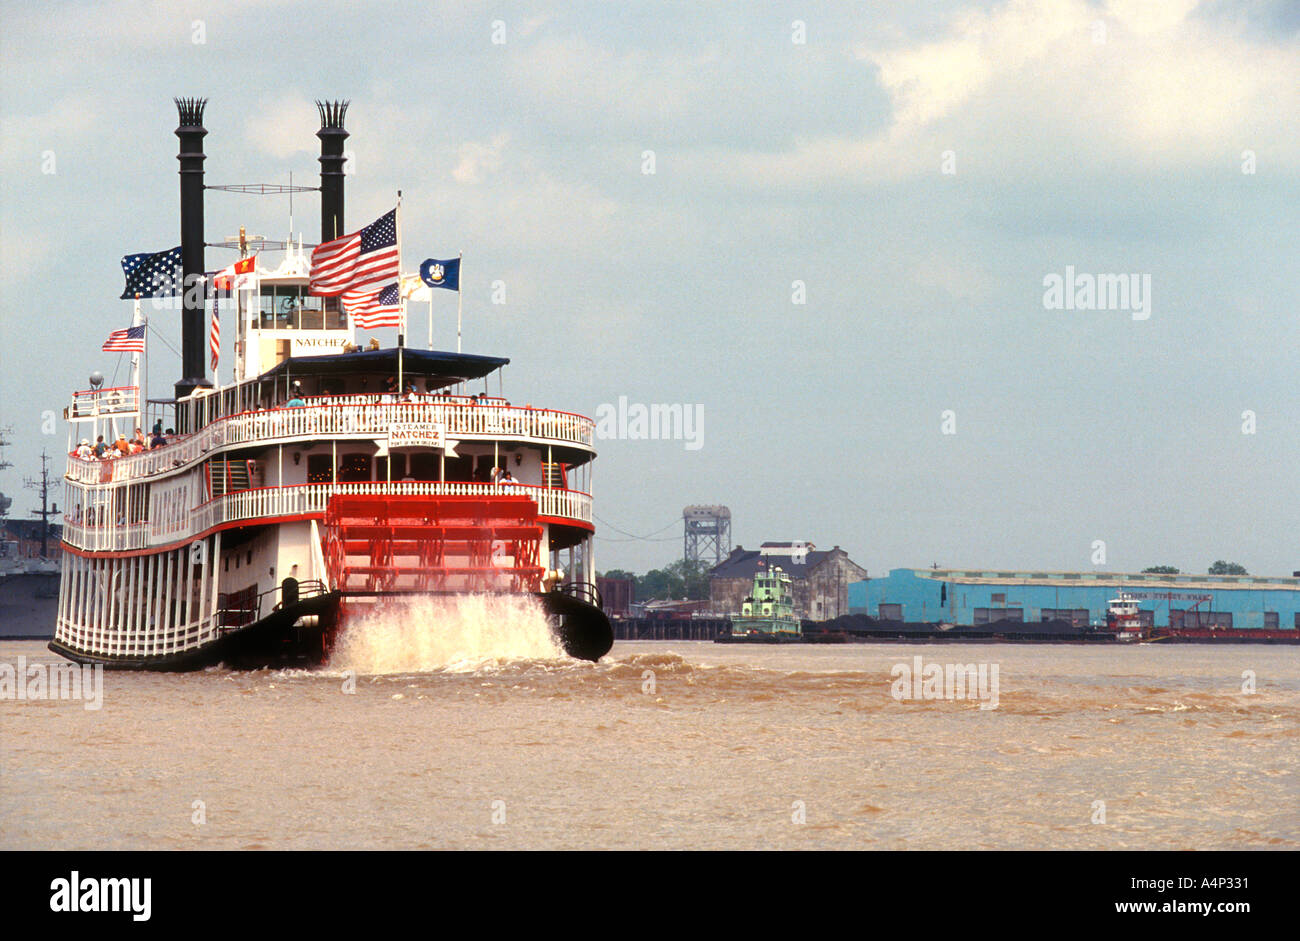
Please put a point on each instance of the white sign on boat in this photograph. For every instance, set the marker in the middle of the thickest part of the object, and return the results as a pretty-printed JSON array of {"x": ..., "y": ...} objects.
[
  {"x": 416, "y": 434},
  {"x": 315, "y": 346}
]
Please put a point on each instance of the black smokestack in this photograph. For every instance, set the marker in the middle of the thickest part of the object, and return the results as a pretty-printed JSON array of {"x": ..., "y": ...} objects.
[
  {"x": 332, "y": 135},
  {"x": 191, "y": 133}
]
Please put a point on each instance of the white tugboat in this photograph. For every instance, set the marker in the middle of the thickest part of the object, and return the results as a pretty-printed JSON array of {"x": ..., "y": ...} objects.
[
  {"x": 1123, "y": 619},
  {"x": 325, "y": 481}
]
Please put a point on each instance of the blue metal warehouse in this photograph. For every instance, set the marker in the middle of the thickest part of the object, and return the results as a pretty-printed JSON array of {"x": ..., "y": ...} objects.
[{"x": 974, "y": 597}]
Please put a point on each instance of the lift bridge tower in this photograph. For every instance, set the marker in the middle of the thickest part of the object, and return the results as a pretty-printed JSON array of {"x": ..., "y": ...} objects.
[{"x": 708, "y": 534}]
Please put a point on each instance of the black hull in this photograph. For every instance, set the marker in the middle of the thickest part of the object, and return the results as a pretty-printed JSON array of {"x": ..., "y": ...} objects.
[
  {"x": 274, "y": 641},
  {"x": 1221, "y": 641},
  {"x": 583, "y": 629},
  {"x": 862, "y": 629}
]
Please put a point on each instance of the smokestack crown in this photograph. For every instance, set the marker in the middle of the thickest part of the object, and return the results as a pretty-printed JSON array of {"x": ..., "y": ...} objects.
[
  {"x": 332, "y": 114},
  {"x": 191, "y": 111}
]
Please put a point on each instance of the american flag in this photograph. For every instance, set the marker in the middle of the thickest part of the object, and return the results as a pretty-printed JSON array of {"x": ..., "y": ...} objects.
[
  {"x": 364, "y": 262},
  {"x": 214, "y": 338},
  {"x": 152, "y": 274},
  {"x": 369, "y": 311},
  {"x": 130, "y": 340}
]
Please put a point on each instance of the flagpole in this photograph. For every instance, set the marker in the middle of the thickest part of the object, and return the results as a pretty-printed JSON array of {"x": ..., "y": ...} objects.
[
  {"x": 401, "y": 329},
  {"x": 135, "y": 357},
  {"x": 216, "y": 315},
  {"x": 141, "y": 375},
  {"x": 430, "y": 290},
  {"x": 459, "y": 272}
]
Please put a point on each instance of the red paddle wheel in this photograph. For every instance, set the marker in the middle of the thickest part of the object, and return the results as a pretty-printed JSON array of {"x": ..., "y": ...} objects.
[{"x": 379, "y": 547}]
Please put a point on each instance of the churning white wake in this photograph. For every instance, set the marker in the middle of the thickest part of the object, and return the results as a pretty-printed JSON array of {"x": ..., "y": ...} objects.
[{"x": 458, "y": 633}]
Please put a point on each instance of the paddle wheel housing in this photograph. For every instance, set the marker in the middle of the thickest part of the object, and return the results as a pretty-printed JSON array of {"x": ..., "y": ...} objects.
[{"x": 389, "y": 544}]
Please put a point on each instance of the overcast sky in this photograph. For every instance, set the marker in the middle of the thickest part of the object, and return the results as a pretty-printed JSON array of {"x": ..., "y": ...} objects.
[{"x": 919, "y": 169}]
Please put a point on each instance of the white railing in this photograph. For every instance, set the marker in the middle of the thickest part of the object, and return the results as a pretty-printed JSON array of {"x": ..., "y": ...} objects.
[
  {"x": 326, "y": 419},
  {"x": 95, "y": 402},
  {"x": 310, "y": 500},
  {"x": 95, "y": 537}
]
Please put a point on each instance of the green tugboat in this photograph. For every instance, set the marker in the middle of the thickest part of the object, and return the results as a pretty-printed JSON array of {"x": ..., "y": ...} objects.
[{"x": 767, "y": 615}]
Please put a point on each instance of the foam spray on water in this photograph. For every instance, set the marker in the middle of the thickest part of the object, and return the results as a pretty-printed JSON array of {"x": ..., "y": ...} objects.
[{"x": 457, "y": 633}]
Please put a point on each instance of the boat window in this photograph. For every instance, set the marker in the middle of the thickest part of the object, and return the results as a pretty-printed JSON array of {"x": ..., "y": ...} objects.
[
  {"x": 424, "y": 466},
  {"x": 460, "y": 468},
  {"x": 320, "y": 469},
  {"x": 354, "y": 468},
  {"x": 399, "y": 467},
  {"x": 335, "y": 318},
  {"x": 289, "y": 307},
  {"x": 311, "y": 318}
]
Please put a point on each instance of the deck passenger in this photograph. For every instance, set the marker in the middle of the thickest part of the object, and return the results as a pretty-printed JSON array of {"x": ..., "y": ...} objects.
[{"x": 84, "y": 450}]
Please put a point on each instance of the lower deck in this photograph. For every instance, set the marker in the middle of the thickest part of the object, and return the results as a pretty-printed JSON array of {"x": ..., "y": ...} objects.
[{"x": 163, "y": 604}]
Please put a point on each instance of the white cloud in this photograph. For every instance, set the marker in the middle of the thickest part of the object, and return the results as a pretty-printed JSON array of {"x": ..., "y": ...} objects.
[
  {"x": 928, "y": 81},
  {"x": 1024, "y": 90},
  {"x": 23, "y": 251},
  {"x": 1161, "y": 87},
  {"x": 284, "y": 127},
  {"x": 479, "y": 159},
  {"x": 23, "y": 137}
]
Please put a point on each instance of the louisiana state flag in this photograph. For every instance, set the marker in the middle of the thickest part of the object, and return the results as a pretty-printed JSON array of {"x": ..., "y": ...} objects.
[{"x": 441, "y": 274}]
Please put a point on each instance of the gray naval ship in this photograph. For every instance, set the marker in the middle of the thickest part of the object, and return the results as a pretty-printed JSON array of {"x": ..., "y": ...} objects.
[
  {"x": 29, "y": 595},
  {"x": 29, "y": 569}
]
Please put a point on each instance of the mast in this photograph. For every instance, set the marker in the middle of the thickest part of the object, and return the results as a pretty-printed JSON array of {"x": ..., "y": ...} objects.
[{"x": 46, "y": 511}]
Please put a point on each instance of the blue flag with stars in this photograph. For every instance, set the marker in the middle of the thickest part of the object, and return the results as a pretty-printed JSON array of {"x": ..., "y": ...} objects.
[
  {"x": 441, "y": 274},
  {"x": 152, "y": 274}
]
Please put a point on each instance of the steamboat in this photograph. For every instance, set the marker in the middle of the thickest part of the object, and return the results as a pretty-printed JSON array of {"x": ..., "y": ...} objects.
[{"x": 325, "y": 482}]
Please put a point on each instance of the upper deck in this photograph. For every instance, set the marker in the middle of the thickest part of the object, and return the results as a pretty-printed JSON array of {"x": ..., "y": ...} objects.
[
  {"x": 280, "y": 445},
  {"x": 344, "y": 418}
]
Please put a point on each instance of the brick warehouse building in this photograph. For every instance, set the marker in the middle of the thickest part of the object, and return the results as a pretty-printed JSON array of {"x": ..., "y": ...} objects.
[{"x": 820, "y": 579}]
